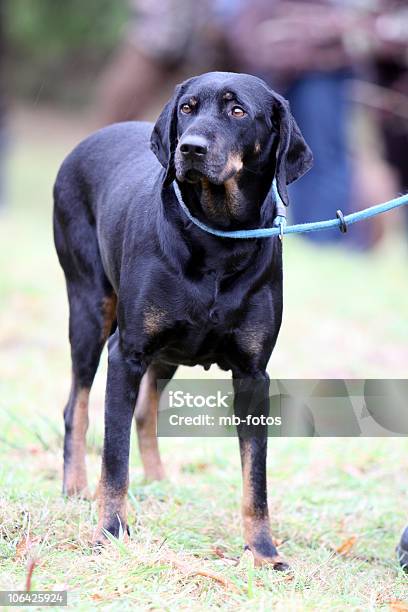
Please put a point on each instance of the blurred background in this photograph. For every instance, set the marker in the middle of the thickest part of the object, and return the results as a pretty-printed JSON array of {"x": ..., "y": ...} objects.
[
  {"x": 342, "y": 65},
  {"x": 69, "y": 67}
]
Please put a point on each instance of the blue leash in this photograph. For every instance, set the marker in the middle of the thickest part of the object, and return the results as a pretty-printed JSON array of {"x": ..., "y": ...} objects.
[{"x": 280, "y": 227}]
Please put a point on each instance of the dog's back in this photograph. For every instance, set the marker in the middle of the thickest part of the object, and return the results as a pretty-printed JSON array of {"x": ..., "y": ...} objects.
[
  {"x": 94, "y": 164},
  {"x": 110, "y": 174}
]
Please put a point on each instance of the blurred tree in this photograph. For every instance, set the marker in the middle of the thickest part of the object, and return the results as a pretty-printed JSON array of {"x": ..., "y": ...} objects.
[{"x": 55, "y": 48}]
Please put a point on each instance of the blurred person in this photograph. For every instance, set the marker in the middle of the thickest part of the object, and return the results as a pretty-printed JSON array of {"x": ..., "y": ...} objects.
[
  {"x": 163, "y": 43},
  {"x": 302, "y": 49},
  {"x": 390, "y": 53}
]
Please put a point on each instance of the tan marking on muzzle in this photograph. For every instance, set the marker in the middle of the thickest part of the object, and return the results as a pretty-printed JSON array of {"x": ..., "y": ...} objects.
[{"x": 234, "y": 164}]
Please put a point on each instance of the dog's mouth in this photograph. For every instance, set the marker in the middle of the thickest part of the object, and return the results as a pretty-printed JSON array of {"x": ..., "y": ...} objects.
[
  {"x": 193, "y": 175},
  {"x": 215, "y": 171}
]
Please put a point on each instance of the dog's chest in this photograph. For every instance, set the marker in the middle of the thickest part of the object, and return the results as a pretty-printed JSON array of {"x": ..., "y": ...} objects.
[
  {"x": 196, "y": 323},
  {"x": 212, "y": 304},
  {"x": 191, "y": 344},
  {"x": 207, "y": 303}
]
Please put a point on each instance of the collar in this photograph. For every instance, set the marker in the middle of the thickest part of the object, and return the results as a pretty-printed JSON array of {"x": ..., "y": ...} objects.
[{"x": 279, "y": 222}]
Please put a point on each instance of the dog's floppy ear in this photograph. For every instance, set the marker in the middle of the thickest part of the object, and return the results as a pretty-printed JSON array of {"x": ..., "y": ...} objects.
[
  {"x": 293, "y": 157},
  {"x": 163, "y": 140}
]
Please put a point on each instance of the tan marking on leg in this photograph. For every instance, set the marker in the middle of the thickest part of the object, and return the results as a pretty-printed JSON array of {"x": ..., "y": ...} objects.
[
  {"x": 154, "y": 319},
  {"x": 254, "y": 525},
  {"x": 252, "y": 338},
  {"x": 146, "y": 424},
  {"x": 112, "y": 505},
  {"x": 257, "y": 147},
  {"x": 109, "y": 314},
  {"x": 75, "y": 470}
]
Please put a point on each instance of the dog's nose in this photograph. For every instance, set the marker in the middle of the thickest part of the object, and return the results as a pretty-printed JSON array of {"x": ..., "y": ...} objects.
[{"x": 194, "y": 146}]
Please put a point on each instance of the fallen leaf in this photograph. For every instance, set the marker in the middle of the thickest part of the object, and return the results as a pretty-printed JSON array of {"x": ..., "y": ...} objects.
[
  {"x": 398, "y": 606},
  {"x": 346, "y": 546},
  {"x": 217, "y": 577},
  {"x": 24, "y": 545},
  {"x": 288, "y": 576}
]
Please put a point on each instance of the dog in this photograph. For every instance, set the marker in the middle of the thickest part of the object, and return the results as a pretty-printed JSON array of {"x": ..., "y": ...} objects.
[{"x": 162, "y": 291}]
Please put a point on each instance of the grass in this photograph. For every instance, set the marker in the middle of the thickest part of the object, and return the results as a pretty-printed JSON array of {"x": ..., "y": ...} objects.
[{"x": 345, "y": 316}]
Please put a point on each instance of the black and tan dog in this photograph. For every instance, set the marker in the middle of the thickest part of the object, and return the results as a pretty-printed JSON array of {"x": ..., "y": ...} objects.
[{"x": 163, "y": 291}]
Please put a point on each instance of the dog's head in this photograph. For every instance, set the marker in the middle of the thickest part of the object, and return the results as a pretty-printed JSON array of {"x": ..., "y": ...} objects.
[{"x": 220, "y": 123}]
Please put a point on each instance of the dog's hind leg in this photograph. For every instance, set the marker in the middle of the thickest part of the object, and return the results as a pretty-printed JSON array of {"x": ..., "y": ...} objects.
[
  {"x": 92, "y": 315},
  {"x": 90, "y": 320},
  {"x": 146, "y": 419}
]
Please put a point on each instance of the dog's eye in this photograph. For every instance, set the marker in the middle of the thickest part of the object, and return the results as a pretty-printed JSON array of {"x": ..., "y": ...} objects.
[
  {"x": 186, "y": 109},
  {"x": 237, "y": 111}
]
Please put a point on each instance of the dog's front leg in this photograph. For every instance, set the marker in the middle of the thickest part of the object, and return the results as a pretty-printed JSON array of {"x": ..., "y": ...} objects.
[
  {"x": 121, "y": 393},
  {"x": 251, "y": 402}
]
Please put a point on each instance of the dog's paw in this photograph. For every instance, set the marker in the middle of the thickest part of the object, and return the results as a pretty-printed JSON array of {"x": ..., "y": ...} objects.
[
  {"x": 153, "y": 474},
  {"x": 276, "y": 562},
  {"x": 114, "y": 529},
  {"x": 73, "y": 490},
  {"x": 75, "y": 483}
]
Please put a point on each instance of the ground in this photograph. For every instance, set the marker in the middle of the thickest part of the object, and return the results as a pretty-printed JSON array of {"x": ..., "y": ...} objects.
[{"x": 337, "y": 505}]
